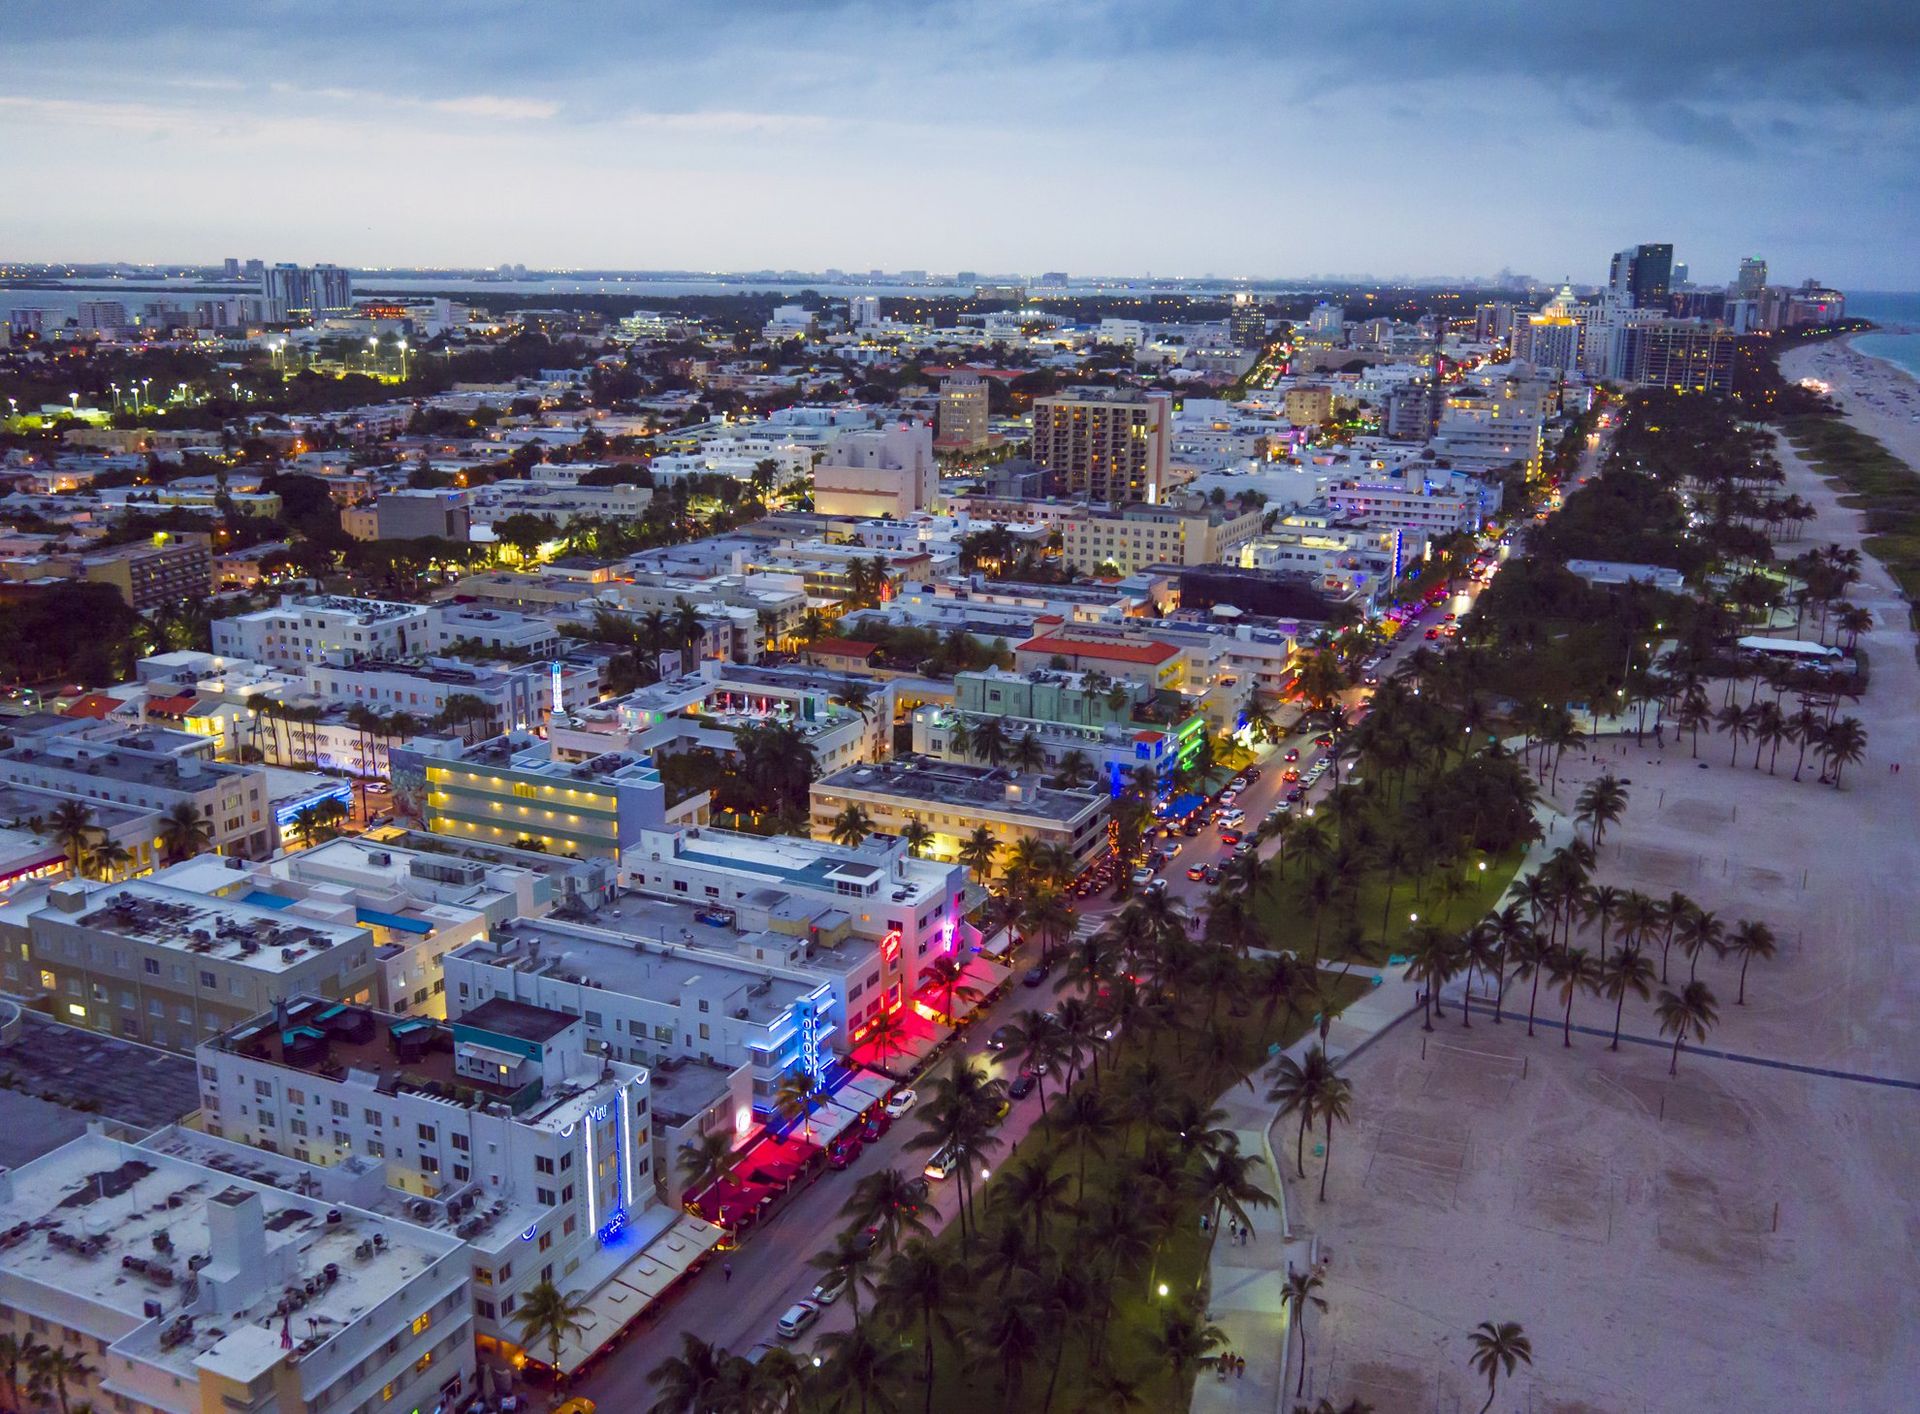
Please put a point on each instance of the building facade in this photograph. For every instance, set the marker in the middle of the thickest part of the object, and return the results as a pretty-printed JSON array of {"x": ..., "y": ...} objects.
[{"x": 1105, "y": 445}]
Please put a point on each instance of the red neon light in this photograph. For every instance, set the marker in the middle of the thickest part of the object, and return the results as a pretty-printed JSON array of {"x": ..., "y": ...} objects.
[{"x": 890, "y": 947}]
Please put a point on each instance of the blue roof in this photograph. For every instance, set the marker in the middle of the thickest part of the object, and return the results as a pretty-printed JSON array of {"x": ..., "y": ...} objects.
[
  {"x": 260, "y": 898},
  {"x": 373, "y": 918}
]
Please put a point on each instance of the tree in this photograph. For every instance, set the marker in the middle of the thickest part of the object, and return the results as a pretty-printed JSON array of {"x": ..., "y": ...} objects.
[
  {"x": 1691, "y": 1009},
  {"x": 1335, "y": 1098},
  {"x": 1842, "y": 744},
  {"x": 867, "y": 1366},
  {"x": 1296, "y": 1088},
  {"x": 1300, "y": 1294},
  {"x": 706, "y": 1158},
  {"x": 16, "y": 1351},
  {"x": 1433, "y": 959},
  {"x": 71, "y": 825},
  {"x": 1600, "y": 804},
  {"x": 851, "y": 826},
  {"x": 887, "y": 1203},
  {"x": 548, "y": 1314},
  {"x": 1074, "y": 771},
  {"x": 689, "y": 1381},
  {"x": 794, "y": 1097},
  {"x": 920, "y": 1279},
  {"x": 1628, "y": 970},
  {"x": 1499, "y": 1349},
  {"x": 977, "y": 853},
  {"x": 1750, "y": 940},
  {"x": 918, "y": 835},
  {"x": 1223, "y": 1184},
  {"x": 184, "y": 832},
  {"x": 1573, "y": 971},
  {"x": 851, "y": 1260},
  {"x": 1026, "y": 753},
  {"x": 1184, "y": 1338}
]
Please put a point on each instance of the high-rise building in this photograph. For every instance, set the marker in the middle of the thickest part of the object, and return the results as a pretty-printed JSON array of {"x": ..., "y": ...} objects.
[
  {"x": 1246, "y": 323},
  {"x": 1104, "y": 444},
  {"x": 255, "y": 270},
  {"x": 1680, "y": 274},
  {"x": 963, "y": 412},
  {"x": 230, "y": 268},
  {"x": 1752, "y": 277},
  {"x": 863, "y": 310},
  {"x": 1644, "y": 274},
  {"x": 1492, "y": 321},
  {"x": 305, "y": 292},
  {"x": 1686, "y": 355}
]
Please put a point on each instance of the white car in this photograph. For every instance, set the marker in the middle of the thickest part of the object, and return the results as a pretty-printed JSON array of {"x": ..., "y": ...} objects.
[
  {"x": 899, "y": 1102},
  {"x": 796, "y": 1318}
]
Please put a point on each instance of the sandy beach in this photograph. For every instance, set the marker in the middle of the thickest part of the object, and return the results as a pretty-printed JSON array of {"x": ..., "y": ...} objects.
[{"x": 1878, "y": 398}]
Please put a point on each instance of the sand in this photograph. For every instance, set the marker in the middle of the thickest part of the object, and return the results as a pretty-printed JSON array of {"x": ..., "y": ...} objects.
[
  {"x": 1739, "y": 1236},
  {"x": 1878, "y": 398}
]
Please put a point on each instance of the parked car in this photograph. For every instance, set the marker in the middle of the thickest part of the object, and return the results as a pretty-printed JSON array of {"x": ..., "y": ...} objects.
[
  {"x": 1035, "y": 975},
  {"x": 796, "y": 1318},
  {"x": 900, "y": 1102},
  {"x": 1158, "y": 886},
  {"x": 878, "y": 1123},
  {"x": 1197, "y": 872},
  {"x": 1001, "y": 1038},
  {"x": 1142, "y": 875},
  {"x": 829, "y": 1289},
  {"x": 1022, "y": 1085},
  {"x": 844, "y": 1151}
]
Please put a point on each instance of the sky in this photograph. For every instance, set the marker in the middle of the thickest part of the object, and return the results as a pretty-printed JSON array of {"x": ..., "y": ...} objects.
[{"x": 1172, "y": 137}]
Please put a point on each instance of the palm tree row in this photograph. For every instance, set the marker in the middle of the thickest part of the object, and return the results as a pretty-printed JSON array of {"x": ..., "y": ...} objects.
[{"x": 50, "y": 1372}]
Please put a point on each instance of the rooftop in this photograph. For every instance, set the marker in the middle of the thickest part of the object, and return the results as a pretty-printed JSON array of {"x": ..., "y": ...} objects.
[
  {"x": 657, "y": 968},
  {"x": 955, "y": 784},
  {"x": 506, "y": 1017},
  {"x": 229, "y": 930},
  {"x": 124, "y": 760},
  {"x": 1072, "y": 648},
  {"x": 103, "y": 1225},
  {"x": 813, "y": 864}
]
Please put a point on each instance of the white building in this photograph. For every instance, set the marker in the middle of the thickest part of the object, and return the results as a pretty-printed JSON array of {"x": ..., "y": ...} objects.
[
  {"x": 888, "y": 472},
  {"x": 188, "y": 1289},
  {"x": 311, "y": 628},
  {"x": 500, "y": 1119},
  {"x": 1431, "y": 503}
]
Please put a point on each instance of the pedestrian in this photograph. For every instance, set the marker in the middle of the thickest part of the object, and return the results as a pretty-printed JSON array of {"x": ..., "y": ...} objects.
[
  {"x": 1239, "y": 1367},
  {"x": 726, "y": 1272},
  {"x": 1203, "y": 1222},
  {"x": 1220, "y": 1370},
  {"x": 1233, "y": 1230}
]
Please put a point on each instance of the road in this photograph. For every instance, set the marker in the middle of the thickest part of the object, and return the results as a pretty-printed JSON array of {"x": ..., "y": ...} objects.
[{"x": 771, "y": 1270}]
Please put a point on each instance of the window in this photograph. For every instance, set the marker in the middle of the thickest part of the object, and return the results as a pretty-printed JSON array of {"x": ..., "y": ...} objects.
[
  {"x": 150, "y": 964},
  {"x": 207, "y": 979},
  {"x": 543, "y": 1164},
  {"x": 484, "y": 1308},
  {"x": 566, "y": 1228},
  {"x": 544, "y": 1195},
  {"x": 546, "y": 1241},
  {"x": 422, "y": 1321},
  {"x": 428, "y": 1134},
  {"x": 370, "y": 1116},
  {"x": 262, "y": 1087},
  {"x": 461, "y": 1173},
  {"x": 460, "y": 1141},
  {"x": 429, "y": 1164},
  {"x": 566, "y": 1194},
  {"x": 340, "y": 1109},
  {"x": 566, "y": 1161}
]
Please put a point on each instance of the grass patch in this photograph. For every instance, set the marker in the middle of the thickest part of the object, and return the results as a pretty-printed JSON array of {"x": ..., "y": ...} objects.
[
  {"x": 962, "y": 1386},
  {"x": 1453, "y": 898},
  {"x": 1877, "y": 483}
]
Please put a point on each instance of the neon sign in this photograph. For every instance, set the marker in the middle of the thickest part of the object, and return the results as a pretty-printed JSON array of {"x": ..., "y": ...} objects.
[
  {"x": 810, "y": 1040},
  {"x": 890, "y": 948}
]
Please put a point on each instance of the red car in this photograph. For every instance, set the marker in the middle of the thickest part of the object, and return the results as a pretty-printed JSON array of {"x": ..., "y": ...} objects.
[
  {"x": 1229, "y": 839},
  {"x": 878, "y": 1123},
  {"x": 843, "y": 1152},
  {"x": 1293, "y": 753}
]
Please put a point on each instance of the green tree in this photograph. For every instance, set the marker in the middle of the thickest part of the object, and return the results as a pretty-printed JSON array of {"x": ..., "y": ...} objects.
[
  {"x": 1691, "y": 1009},
  {"x": 550, "y": 1315},
  {"x": 689, "y": 1382},
  {"x": 1627, "y": 970},
  {"x": 1750, "y": 940},
  {"x": 1297, "y": 1088},
  {"x": 851, "y": 826},
  {"x": 1297, "y": 1297},
  {"x": 1499, "y": 1349},
  {"x": 184, "y": 832},
  {"x": 1334, "y": 1104}
]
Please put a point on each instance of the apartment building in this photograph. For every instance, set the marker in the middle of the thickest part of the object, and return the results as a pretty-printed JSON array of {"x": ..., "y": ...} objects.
[
  {"x": 1342, "y": 560},
  {"x": 1121, "y": 654},
  {"x": 330, "y": 628},
  {"x": 1430, "y": 503},
  {"x": 954, "y": 799},
  {"x": 889, "y": 472},
  {"x": 1141, "y": 535},
  {"x": 168, "y": 965},
  {"x": 512, "y": 698},
  {"x": 411, "y": 513},
  {"x": 964, "y": 410},
  {"x": 507, "y": 790},
  {"x": 1104, "y": 444},
  {"x": 1686, "y": 355},
  {"x": 235, "y": 801},
  {"x": 187, "y": 1289},
  {"x": 874, "y": 916},
  {"x": 1484, "y": 429},
  {"x": 174, "y": 565},
  {"x": 1309, "y": 404},
  {"x": 496, "y": 629},
  {"x": 499, "y": 1119},
  {"x": 1116, "y": 726}
]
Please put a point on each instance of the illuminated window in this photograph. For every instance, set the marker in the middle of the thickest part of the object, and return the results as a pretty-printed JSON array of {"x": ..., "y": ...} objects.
[{"x": 422, "y": 1321}]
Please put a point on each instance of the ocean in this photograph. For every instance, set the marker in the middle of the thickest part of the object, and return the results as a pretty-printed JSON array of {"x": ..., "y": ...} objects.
[{"x": 1892, "y": 310}]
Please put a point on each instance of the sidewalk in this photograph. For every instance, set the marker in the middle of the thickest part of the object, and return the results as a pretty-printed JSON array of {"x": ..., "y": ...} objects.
[{"x": 1247, "y": 1282}]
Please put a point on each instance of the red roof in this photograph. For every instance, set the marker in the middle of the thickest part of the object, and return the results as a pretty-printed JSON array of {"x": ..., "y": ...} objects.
[
  {"x": 96, "y": 705},
  {"x": 177, "y": 706},
  {"x": 1154, "y": 652},
  {"x": 844, "y": 647}
]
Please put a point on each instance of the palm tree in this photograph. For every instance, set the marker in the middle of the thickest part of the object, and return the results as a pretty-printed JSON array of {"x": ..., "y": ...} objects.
[
  {"x": 705, "y": 1159},
  {"x": 688, "y": 1382},
  {"x": 549, "y": 1314},
  {"x": 1433, "y": 960},
  {"x": 887, "y": 1203},
  {"x": 1573, "y": 971},
  {"x": 16, "y": 1351},
  {"x": 106, "y": 859},
  {"x": 851, "y": 826},
  {"x": 184, "y": 832},
  {"x": 1027, "y": 754},
  {"x": 1701, "y": 931},
  {"x": 794, "y": 1097},
  {"x": 1842, "y": 744},
  {"x": 1625, "y": 971},
  {"x": 1298, "y": 1296},
  {"x": 918, "y": 835},
  {"x": 1038, "y": 1045},
  {"x": 54, "y": 1369},
  {"x": 1087, "y": 1121},
  {"x": 1297, "y": 1088},
  {"x": 1224, "y": 1185},
  {"x": 1737, "y": 723},
  {"x": 850, "y": 1259},
  {"x": 1335, "y": 1098},
  {"x": 1499, "y": 1349},
  {"x": 71, "y": 823},
  {"x": 1600, "y": 804},
  {"x": 1074, "y": 771},
  {"x": 1184, "y": 1338},
  {"x": 868, "y": 1366},
  {"x": 1007, "y": 1333},
  {"x": 977, "y": 853},
  {"x": 1750, "y": 940},
  {"x": 958, "y": 1114},
  {"x": 1690, "y": 1009},
  {"x": 921, "y": 1279}
]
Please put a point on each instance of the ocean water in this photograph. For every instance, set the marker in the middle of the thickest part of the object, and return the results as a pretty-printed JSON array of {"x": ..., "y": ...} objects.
[{"x": 1893, "y": 311}]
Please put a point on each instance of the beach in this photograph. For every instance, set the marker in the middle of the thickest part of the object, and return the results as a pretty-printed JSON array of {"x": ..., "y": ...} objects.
[{"x": 1878, "y": 398}]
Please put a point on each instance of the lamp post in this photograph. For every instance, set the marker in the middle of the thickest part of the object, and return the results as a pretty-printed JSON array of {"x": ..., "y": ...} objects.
[{"x": 403, "y": 360}]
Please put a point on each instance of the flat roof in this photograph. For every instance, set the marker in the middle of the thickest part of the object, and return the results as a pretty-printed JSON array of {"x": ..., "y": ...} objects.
[
  {"x": 127, "y": 759},
  {"x": 181, "y": 920},
  {"x": 632, "y": 964},
  {"x": 802, "y": 862},
  {"x": 1069, "y": 647},
  {"x": 96, "y": 1201},
  {"x": 959, "y": 785},
  {"x": 521, "y": 1020}
]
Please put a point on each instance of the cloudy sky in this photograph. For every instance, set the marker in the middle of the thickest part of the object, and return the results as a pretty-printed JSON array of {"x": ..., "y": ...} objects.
[{"x": 1394, "y": 137}]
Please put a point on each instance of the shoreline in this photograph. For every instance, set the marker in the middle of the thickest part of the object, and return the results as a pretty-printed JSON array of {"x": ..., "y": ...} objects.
[{"x": 1877, "y": 397}]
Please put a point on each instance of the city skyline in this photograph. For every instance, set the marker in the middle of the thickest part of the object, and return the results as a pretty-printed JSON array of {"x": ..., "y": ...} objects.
[{"x": 749, "y": 137}]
